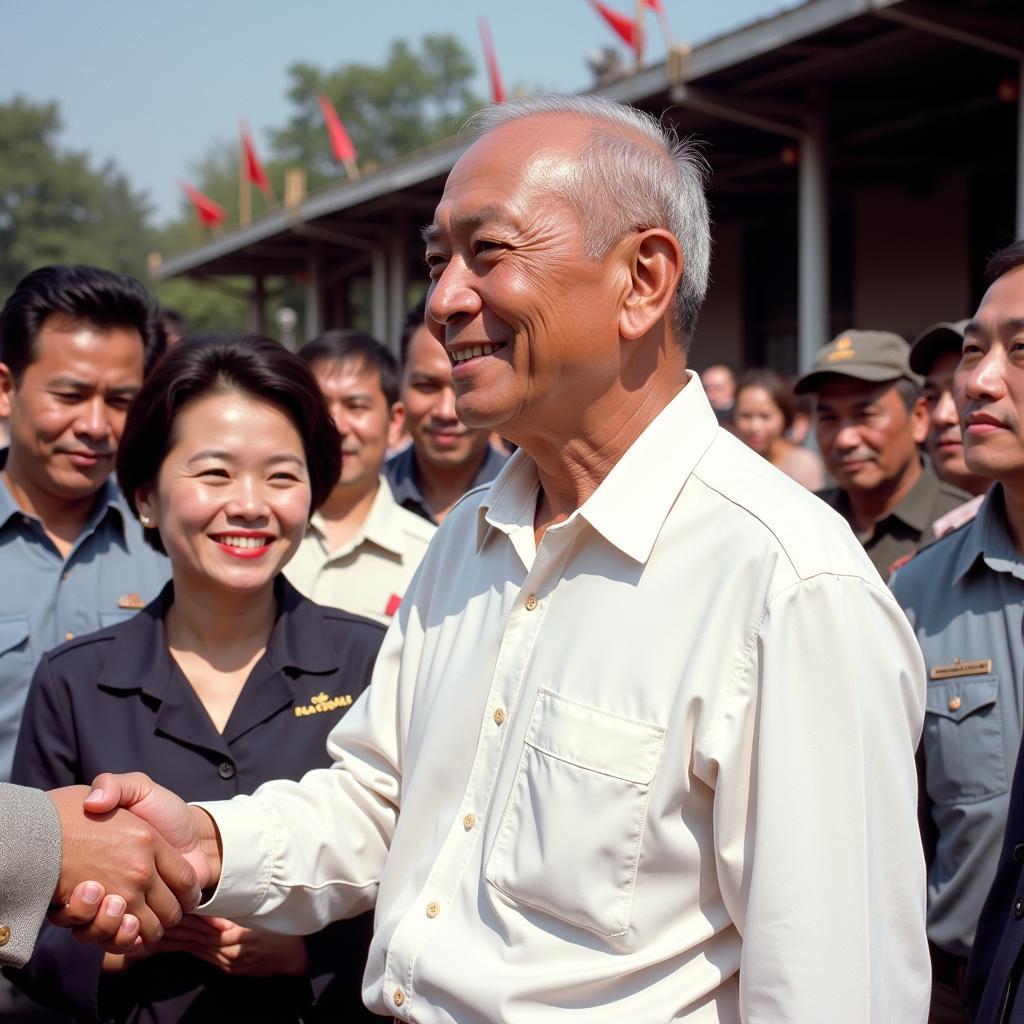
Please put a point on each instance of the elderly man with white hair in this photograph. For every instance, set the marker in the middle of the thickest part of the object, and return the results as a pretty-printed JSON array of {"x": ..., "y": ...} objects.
[{"x": 640, "y": 743}]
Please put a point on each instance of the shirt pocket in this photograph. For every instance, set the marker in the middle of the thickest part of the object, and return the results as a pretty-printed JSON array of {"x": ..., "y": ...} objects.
[
  {"x": 569, "y": 841},
  {"x": 963, "y": 740},
  {"x": 14, "y": 648}
]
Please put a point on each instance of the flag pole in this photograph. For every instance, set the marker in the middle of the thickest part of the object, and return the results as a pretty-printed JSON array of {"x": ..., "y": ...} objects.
[
  {"x": 638, "y": 36},
  {"x": 244, "y": 189}
]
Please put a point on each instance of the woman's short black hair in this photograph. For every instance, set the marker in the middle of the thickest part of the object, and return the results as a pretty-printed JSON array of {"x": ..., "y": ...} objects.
[{"x": 254, "y": 366}]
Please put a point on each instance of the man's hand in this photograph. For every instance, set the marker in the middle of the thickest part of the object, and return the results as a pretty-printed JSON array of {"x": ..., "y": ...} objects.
[
  {"x": 131, "y": 861},
  {"x": 112, "y": 928},
  {"x": 189, "y": 830}
]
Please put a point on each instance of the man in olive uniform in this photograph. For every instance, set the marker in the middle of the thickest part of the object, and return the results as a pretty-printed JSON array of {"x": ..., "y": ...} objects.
[{"x": 870, "y": 419}]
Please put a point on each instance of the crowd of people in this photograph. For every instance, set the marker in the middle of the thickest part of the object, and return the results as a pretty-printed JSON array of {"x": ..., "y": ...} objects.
[{"x": 527, "y": 676}]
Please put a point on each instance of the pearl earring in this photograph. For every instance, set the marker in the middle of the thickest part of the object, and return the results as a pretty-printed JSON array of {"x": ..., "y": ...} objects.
[{"x": 146, "y": 521}]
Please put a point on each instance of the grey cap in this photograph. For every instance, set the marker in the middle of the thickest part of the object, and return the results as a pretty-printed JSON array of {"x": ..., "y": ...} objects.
[
  {"x": 863, "y": 355},
  {"x": 934, "y": 342}
]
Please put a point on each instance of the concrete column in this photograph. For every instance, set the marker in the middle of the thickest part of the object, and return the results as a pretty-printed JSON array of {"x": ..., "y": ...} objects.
[
  {"x": 379, "y": 295},
  {"x": 398, "y": 284},
  {"x": 813, "y": 298},
  {"x": 314, "y": 299},
  {"x": 1020, "y": 149},
  {"x": 257, "y": 306}
]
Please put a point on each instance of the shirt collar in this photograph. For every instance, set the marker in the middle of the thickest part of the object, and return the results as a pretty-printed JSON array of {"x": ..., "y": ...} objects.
[
  {"x": 141, "y": 658},
  {"x": 631, "y": 504},
  {"x": 108, "y": 498},
  {"x": 404, "y": 479},
  {"x": 987, "y": 537},
  {"x": 917, "y": 507},
  {"x": 382, "y": 526}
]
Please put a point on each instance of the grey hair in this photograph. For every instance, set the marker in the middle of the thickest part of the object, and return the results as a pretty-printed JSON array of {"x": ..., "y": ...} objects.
[{"x": 619, "y": 184}]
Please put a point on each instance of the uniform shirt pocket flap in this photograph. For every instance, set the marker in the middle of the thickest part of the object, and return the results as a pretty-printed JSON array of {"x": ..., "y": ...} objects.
[
  {"x": 957, "y": 699},
  {"x": 595, "y": 739},
  {"x": 13, "y": 631}
]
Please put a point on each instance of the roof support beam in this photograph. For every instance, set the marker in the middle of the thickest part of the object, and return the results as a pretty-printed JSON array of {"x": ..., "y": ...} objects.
[
  {"x": 704, "y": 101},
  {"x": 937, "y": 21}
]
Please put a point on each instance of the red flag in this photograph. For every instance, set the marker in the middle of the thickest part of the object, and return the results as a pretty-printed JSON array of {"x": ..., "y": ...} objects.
[
  {"x": 655, "y": 5},
  {"x": 210, "y": 212},
  {"x": 253, "y": 168},
  {"x": 623, "y": 27},
  {"x": 491, "y": 59},
  {"x": 341, "y": 144}
]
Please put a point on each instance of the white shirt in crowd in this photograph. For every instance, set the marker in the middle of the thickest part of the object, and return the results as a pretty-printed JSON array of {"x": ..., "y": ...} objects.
[
  {"x": 660, "y": 767},
  {"x": 369, "y": 574}
]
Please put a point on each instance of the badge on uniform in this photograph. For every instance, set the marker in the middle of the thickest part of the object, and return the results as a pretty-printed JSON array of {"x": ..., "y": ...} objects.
[
  {"x": 132, "y": 600},
  {"x": 981, "y": 667}
]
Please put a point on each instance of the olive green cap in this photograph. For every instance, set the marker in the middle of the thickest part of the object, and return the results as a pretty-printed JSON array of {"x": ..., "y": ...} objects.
[{"x": 863, "y": 355}]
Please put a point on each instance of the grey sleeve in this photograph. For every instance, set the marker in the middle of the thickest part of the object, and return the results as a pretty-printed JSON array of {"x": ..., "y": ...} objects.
[{"x": 30, "y": 859}]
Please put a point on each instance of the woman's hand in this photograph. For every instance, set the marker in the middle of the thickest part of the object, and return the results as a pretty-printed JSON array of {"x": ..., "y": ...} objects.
[
  {"x": 251, "y": 952},
  {"x": 244, "y": 952}
]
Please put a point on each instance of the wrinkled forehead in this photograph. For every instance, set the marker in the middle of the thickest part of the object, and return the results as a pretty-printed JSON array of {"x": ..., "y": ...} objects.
[
  {"x": 512, "y": 169},
  {"x": 849, "y": 391}
]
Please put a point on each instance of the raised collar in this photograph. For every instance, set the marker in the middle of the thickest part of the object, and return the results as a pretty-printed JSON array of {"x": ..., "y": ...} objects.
[
  {"x": 108, "y": 498},
  {"x": 382, "y": 526},
  {"x": 987, "y": 537},
  {"x": 631, "y": 504},
  {"x": 140, "y": 659}
]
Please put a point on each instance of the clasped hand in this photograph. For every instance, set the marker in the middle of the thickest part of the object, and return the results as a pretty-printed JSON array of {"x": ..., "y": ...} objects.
[{"x": 141, "y": 845}]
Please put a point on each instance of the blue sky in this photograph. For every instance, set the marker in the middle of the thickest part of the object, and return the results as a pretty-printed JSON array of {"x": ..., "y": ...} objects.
[{"x": 153, "y": 84}]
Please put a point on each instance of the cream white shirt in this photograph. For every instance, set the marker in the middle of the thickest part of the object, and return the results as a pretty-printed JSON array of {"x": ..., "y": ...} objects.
[
  {"x": 660, "y": 767},
  {"x": 369, "y": 574}
]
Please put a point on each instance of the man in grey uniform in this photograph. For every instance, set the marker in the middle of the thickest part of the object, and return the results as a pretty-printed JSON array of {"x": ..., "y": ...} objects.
[
  {"x": 49, "y": 852},
  {"x": 964, "y": 596}
]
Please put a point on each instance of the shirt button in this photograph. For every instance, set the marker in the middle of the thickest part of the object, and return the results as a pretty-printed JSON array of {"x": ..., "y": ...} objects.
[
  {"x": 469, "y": 821},
  {"x": 226, "y": 770},
  {"x": 954, "y": 703},
  {"x": 69, "y": 636},
  {"x": 399, "y": 997},
  {"x": 499, "y": 715},
  {"x": 1018, "y": 908},
  {"x": 5, "y": 935},
  {"x": 433, "y": 909},
  {"x": 64, "y": 575},
  {"x": 531, "y": 602}
]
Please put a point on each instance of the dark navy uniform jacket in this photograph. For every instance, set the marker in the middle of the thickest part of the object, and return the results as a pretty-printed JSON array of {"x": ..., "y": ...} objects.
[
  {"x": 994, "y": 973},
  {"x": 116, "y": 701}
]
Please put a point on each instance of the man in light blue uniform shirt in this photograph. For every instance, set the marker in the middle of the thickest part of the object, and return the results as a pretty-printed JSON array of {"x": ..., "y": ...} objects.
[
  {"x": 964, "y": 596},
  {"x": 73, "y": 344}
]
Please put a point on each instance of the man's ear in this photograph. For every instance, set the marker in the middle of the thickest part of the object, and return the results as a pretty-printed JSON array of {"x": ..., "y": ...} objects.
[
  {"x": 919, "y": 420},
  {"x": 6, "y": 389},
  {"x": 655, "y": 265},
  {"x": 396, "y": 423}
]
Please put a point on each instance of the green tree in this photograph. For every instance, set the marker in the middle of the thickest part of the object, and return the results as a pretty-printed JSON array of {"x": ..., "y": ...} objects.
[
  {"x": 417, "y": 98},
  {"x": 55, "y": 207}
]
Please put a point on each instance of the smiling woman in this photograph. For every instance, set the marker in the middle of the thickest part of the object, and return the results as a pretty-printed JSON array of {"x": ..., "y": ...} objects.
[{"x": 226, "y": 451}]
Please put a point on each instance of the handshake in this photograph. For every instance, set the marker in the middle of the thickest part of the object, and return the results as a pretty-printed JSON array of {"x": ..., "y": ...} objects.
[{"x": 135, "y": 859}]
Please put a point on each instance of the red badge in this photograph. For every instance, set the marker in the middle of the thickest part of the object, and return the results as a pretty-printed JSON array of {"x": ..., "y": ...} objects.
[{"x": 393, "y": 602}]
